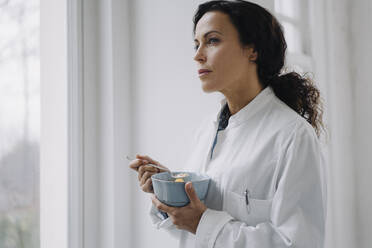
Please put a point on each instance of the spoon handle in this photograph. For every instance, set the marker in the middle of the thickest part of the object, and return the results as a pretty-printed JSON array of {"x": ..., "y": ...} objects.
[{"x": 160, "y": 168}]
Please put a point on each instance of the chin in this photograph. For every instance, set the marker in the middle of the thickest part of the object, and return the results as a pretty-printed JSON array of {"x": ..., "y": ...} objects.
[{"x": 208, "y": 87}]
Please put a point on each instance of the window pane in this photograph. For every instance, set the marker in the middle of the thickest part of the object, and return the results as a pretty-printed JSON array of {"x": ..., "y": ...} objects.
[
  {"x": 19, "y": 123},
  {"x": 293, "y": 37},
  {"x": 289, "y": 8},
  {"x": 294, "y": 15}
]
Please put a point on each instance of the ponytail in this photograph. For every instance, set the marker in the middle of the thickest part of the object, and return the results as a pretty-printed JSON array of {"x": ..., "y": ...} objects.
[{"x": 301, "y": 95}]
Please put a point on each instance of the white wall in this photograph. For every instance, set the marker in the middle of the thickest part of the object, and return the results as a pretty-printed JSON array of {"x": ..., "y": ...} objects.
[
  {"x": 361, "y": 54},
  {"x": 107, "y": 123},
  {"x": 341, "y": 184},
  {"x": 349, "y": 49},
  {"x": 168, "y": 100}
]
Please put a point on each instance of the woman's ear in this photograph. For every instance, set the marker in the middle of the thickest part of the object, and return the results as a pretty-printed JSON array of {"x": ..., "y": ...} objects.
[
  {"x": 253, "y": 57},
  {"x": 251, "y": 54}
]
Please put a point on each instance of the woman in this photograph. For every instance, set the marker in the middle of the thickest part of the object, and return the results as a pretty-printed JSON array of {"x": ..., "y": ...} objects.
[{"x": 261, "y": 149}]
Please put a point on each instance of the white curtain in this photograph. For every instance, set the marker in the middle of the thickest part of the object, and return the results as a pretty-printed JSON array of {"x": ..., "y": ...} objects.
[{"x": 349, "y": 95}]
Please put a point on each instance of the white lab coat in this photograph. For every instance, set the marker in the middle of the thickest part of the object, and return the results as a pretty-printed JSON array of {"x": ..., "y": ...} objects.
[{"x": 273, "y": 153}]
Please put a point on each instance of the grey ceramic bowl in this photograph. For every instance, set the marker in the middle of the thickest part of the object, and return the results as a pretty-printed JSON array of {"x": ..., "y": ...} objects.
[{"x": 173, "y": 193}]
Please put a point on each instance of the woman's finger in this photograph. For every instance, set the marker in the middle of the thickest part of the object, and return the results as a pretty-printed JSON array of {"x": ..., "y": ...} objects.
[
  {"x": 143, "y": 168},
  {"x": 152, "y": 161},
  {"x": 147, "y": 187},
  {"x": 161, "y": 206},
  {"x": 146, "y": 175},
  {"x": 145, "y": 157},
  {"x": 136, "y": 163}
]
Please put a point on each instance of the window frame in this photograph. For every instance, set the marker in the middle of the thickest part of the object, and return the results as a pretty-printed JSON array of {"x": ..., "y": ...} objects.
[
  {"x": 85, "y": 101},
  {"x": 293, "y": 59},
  {"x": 75, "y": 124},
  {"x": 54, "y": 125},
  {"x": 61, "y": 153}
]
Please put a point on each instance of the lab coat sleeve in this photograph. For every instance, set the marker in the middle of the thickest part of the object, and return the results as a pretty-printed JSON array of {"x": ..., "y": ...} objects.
[
  {"x": 297, "y": 217},
  {"x": 160, "y": 222}
]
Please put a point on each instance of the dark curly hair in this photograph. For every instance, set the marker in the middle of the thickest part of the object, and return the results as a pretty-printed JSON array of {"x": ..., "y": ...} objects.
[{"x": 257, "y": 27}]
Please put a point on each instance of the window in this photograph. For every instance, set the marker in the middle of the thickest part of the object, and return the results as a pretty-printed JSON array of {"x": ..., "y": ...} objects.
[
  {"x": 19, "y": 123},
  {"x": 294, "y": 17}
]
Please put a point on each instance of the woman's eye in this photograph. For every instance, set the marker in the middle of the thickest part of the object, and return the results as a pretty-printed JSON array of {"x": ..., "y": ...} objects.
[
  {"x": 213, "y": 40},
  {"x": 210, "y": 41}
]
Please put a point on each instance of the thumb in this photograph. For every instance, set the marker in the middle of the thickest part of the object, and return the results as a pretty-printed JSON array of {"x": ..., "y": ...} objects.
[{"x": 190, "y": 191}]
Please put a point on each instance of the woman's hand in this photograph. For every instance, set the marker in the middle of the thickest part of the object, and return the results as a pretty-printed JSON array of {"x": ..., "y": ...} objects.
[
  {"x": 145, "y": 171},
  {"x": 186, "y": 217}
]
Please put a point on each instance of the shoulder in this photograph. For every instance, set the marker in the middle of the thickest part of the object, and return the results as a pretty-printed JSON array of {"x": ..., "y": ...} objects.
[
  {"x": 299, "y": 146},
  {"x": 288, "y": 121},
  {"x": 281, "y": 127}
]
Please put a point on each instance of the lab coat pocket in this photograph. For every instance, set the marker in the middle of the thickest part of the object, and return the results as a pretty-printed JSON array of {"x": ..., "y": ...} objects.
[{"x": 247, "y": 209}]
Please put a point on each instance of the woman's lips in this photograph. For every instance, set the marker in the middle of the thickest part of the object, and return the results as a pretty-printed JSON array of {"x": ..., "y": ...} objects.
[{"x": 203, "y": 72}]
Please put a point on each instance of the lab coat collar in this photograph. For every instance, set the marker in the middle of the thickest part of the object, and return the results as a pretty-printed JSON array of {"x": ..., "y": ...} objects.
[{"x": 249, "y": 110}]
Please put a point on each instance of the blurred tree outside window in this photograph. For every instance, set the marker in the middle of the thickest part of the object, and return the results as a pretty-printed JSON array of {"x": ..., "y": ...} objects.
[{"x": 19, "y": 123}]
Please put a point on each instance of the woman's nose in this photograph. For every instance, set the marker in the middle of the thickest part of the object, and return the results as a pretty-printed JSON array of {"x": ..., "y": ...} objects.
[{"x": 199, "y": 56}]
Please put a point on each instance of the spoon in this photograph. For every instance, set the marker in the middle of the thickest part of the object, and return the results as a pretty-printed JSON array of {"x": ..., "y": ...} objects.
[{"x": 173, "y": 174}]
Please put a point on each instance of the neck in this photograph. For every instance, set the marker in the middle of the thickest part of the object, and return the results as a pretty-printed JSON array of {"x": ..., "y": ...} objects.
[{"x": 238, "y": 97}]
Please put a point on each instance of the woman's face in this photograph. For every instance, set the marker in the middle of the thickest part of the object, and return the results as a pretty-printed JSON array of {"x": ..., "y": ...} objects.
[{"x": 218, "y": 49}]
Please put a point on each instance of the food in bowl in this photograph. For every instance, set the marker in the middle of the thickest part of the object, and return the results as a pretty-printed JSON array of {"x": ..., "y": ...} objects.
[
  {"x": 178, "y": 175},
  {"x": 181, "y": 177}
]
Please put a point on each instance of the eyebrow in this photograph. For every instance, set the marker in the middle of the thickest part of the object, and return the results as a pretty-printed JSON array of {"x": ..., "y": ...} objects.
[{"x": 205, "y": 35}]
